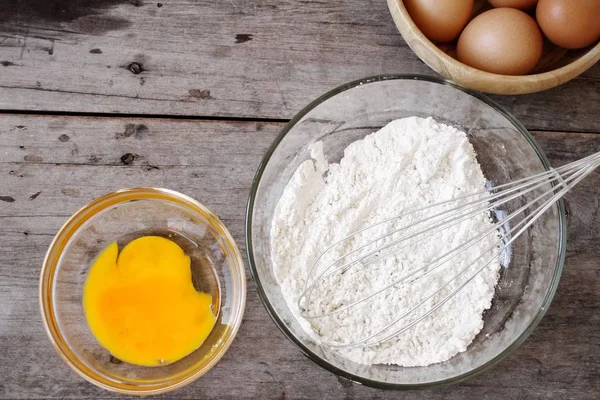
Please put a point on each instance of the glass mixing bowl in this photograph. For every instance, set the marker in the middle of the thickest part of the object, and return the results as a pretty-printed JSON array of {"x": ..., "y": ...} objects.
[
  {"x": 217, "y": 268},
  {"x": 505, "y": 150}
]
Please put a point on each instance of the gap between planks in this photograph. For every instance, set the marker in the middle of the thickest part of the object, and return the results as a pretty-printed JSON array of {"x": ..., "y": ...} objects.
[{"x": 204, "y": 118}]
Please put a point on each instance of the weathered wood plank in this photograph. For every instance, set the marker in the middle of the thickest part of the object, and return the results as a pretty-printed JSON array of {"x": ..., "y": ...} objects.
[
  {"x": 243, "y": 58},
  {"x": 51, "y": 166}
]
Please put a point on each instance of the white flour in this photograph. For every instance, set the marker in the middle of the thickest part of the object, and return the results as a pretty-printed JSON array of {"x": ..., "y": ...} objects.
[{"x": 406, "y": 165}]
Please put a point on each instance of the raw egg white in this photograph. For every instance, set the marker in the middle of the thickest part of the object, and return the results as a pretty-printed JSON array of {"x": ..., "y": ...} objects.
[
  {"x": 440, "y": 21},
  {"x": 503, "y": 41},
  {"x": 571, "y": 24}
]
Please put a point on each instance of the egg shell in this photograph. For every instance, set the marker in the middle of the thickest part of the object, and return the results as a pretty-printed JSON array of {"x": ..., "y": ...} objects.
[
  {"x": 440, "y": 21},
  {"x": 502, "y": 41},
  {"x": 520, "y": 4},
  {"x": 571, "y": 24}
]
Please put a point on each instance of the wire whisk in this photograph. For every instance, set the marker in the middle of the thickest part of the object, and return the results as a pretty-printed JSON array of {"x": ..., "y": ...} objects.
[{"x": 534, "y": 196}]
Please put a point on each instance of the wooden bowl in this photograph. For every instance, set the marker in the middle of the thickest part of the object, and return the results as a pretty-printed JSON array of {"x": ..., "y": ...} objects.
[{"x": 556, "y": 67}]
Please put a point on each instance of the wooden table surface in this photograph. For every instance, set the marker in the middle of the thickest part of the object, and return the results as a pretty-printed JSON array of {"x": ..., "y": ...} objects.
[{"x": 194, "y": 91}]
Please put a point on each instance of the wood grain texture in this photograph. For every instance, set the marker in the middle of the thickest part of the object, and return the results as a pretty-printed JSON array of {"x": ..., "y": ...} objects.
[
  {"x": 441, "y": 61},
  {"x": 51, "y": 166},
  {"x": 230, "y": 58}
]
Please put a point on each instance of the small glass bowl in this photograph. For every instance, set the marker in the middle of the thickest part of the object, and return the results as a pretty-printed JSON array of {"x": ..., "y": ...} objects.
[
  {"x": 505, "y": 151},
  {"x": 122, "y": 216}
]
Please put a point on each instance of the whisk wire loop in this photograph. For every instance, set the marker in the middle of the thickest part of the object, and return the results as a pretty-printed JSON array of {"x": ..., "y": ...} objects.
[{"x": 473, "y": 205}]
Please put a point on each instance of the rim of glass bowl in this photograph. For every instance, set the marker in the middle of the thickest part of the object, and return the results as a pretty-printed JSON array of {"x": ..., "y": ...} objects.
[
  {"x": 52, "y": 259},
  {"x": 323, "y": 363}
]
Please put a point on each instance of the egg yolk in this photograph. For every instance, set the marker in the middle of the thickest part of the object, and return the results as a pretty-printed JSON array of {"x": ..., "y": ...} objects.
[{"x": 141, "y": 304}]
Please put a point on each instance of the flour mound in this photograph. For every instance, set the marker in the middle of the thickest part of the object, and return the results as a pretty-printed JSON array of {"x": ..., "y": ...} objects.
[{"x": 408, "y": 164}]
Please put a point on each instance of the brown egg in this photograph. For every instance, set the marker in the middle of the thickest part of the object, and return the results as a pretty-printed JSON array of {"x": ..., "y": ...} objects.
[
  {"x": 503, "y": 41},
  {"x": 440, "y": 21},
  {"x": 571, "y": 24},
  {"x": 520, "y": 4}
]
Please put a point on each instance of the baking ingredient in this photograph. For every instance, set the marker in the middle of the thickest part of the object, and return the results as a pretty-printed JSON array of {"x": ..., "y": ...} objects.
[
  {"x": 440, "y": 21},
  {"x": 407, "y": 164},
  {"x": 501, "y": 40},
  {"x": 141, "y": 304},
  {"x": 520, "y": 4},
  {"x": 571, "y": 24}
]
